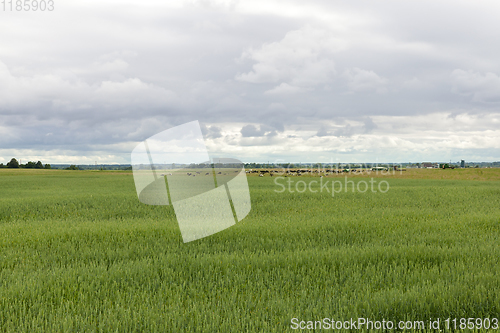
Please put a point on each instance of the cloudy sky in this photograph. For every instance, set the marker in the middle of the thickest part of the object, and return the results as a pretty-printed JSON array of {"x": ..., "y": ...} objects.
[{"x": 328, "y": 81}]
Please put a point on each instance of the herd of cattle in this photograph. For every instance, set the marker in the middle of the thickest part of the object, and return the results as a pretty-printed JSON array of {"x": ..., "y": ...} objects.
[
  {"x": 205, "y": 173},
  {"x": 300, "y": 172},
  {"x": 296, "y": 172}
]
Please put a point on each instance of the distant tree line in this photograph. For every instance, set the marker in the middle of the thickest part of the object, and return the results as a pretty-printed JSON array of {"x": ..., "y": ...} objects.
[{"x": 14, "y": 164}]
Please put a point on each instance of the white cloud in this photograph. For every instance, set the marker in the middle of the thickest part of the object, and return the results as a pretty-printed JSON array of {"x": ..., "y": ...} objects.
[
  {"x": 111, "y": 63},
  {"x": 303, "y": 58},
  {"x": 360, "y": 80},
  {"x": 437, "y": 137},
  {"x": 214, "y": 4},
  {"x": 284, "y": 88}
]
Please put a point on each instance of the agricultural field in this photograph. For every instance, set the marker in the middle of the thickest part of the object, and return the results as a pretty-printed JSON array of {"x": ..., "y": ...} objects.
[{"x": 79, "y": 252}]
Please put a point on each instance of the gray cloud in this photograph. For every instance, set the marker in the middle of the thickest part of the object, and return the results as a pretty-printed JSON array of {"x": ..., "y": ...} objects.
[
  {"x": 211, "y": 132},
  {"x": 360, "y": 80},
  {"x": 363, "y": 126},
  {"x": 254, "y": 131},
  {"x": 95, "y": 77},
  {"x": 480, "y": 87}
]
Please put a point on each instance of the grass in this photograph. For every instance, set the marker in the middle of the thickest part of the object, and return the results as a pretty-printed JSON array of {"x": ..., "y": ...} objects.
[{"x": 79, "y": 252}]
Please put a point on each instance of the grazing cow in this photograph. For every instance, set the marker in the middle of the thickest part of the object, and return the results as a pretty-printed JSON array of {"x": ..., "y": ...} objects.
[{"x": 207, "y": 174}]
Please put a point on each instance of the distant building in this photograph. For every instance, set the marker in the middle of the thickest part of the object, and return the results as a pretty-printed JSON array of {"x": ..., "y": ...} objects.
[
  {"x": 462, "y": 164},
  {"x": 429, "y": 165}
]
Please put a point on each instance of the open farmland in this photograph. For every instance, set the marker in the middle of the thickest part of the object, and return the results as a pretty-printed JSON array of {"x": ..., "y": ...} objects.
[{"x": 79, "y": 252}]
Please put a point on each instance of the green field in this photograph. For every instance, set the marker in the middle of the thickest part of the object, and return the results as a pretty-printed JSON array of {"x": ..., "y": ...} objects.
[{"x": 80, "y": 253}]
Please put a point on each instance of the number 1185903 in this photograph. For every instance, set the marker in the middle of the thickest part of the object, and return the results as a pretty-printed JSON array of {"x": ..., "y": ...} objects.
[
  {"x": 471, "y": 323},
  {"x": 27, "y": 5}
]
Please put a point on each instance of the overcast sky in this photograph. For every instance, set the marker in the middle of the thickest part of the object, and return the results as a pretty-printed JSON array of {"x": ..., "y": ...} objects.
[{"x": 327, "y": 81}]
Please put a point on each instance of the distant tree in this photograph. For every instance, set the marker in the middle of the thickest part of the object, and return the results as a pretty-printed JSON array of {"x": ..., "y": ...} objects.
[
  {"x": 2, "y": 166},
  {"x": 13, "y": 164},
  {"x": 30, "y": 165},
  {"x": 39, "y": 165},
  {"x": 72, "y": 167},
  {"x": 47, "y": 166}
]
